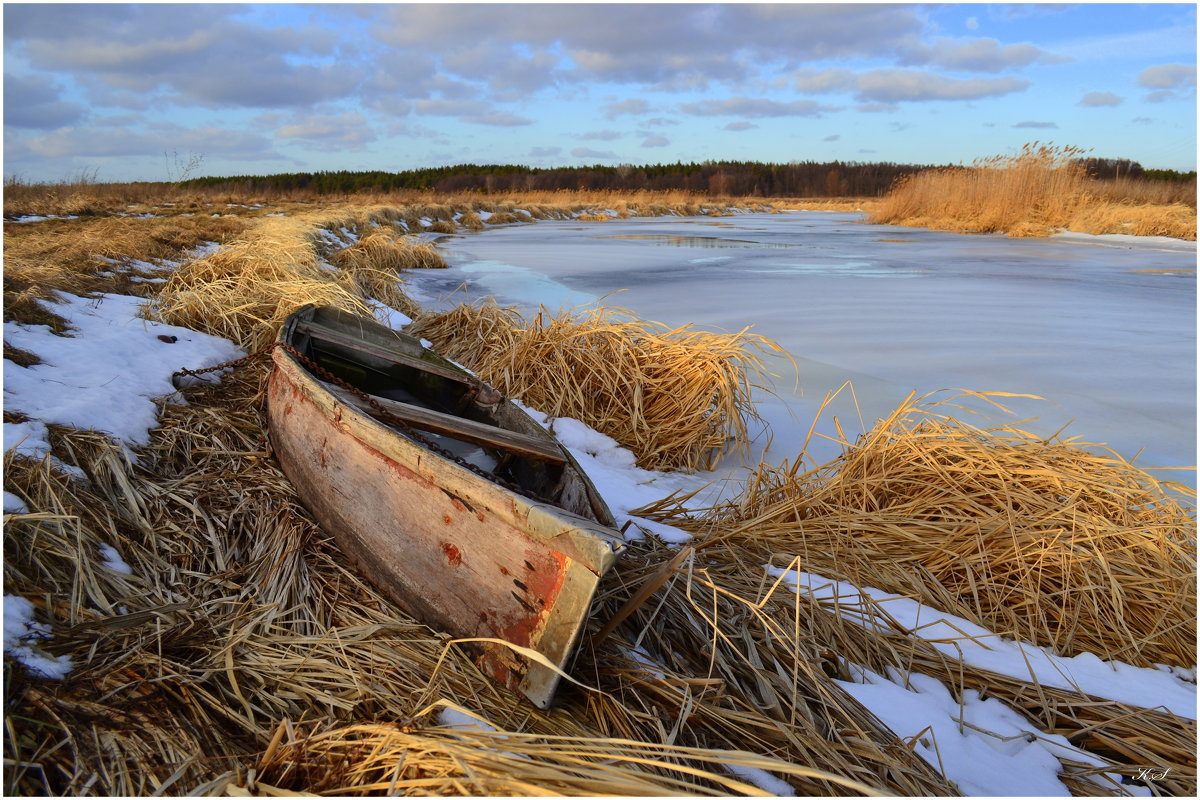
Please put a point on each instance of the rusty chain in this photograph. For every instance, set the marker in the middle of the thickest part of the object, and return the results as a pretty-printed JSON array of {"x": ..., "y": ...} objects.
[{"x": 382, "y": 413}]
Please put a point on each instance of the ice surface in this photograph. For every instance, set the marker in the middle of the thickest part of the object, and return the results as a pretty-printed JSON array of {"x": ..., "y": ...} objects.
[{"x": 1075, "y": 319}]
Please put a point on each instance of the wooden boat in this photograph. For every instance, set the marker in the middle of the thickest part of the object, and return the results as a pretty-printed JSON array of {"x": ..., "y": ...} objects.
[{"x": 434, "y": 529}]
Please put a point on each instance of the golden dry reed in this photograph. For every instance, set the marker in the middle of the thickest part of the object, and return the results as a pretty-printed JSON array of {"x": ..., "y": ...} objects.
[
  {"x": 677, "y": 397},
  {"x": 105, "y": 254},
  {"x": 1036, "y": 192},
  {"x": 384, "y": 251},
  {"x": 1046, "y": 541},
  {"x": 245, "y": 290}
]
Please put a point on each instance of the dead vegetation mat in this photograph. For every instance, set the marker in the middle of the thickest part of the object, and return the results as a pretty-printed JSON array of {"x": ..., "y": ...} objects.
[
  {"x": 1057, "y": 543},
  {"x": 240, "y": 654}
]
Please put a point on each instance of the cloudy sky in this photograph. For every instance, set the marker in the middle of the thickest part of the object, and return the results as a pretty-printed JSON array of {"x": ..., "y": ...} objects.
[{"x": 140, "y": 92}]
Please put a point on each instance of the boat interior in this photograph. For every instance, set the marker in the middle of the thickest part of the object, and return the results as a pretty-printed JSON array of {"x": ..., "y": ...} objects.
[{"x": 432, "y": 396}]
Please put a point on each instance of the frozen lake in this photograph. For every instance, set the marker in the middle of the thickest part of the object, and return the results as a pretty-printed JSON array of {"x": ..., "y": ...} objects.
[{"x": 1104, "y": 328}]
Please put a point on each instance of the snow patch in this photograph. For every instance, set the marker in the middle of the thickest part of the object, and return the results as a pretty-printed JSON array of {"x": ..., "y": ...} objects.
[
  {"x": 104, "y": 376},
  {"x": 22, "y": 635},
  {"x": 960, "y": 639},
  {"x": 112, "y": 559}
]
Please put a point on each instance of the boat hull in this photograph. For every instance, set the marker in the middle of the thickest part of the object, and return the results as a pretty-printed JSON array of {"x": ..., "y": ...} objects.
[{"x": 453, "y": 549}]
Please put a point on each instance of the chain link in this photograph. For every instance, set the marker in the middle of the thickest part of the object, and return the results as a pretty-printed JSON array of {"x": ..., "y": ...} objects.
[{"x": 382, "y": 413}]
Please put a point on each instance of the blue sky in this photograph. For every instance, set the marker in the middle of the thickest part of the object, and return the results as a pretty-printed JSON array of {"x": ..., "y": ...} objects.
[{"x": 137, "y": 92}]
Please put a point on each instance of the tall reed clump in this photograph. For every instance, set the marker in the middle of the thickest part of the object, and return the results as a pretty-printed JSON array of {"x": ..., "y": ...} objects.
[
  {"x": 676, "y": 397},
  {"x": 1036, "y": 192},
  {"x": 245, "y": 290},
  {"x": 384, "y": 252},
  {"x": 1045, "y": 541}
]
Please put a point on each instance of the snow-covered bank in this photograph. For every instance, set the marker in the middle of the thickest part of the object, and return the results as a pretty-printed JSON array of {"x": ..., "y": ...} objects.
[
  {"x": 1169, "y": 689},
  {"x": 106, "y": 375},
  {"x": 1129, "y": 242}
]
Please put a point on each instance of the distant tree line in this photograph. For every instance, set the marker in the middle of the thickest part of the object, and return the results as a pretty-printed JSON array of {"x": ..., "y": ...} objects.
[
  {"x": 733, "y": 178},
  {"x": 1113, "y": 168},
  {"x": 751, "y": 179}
]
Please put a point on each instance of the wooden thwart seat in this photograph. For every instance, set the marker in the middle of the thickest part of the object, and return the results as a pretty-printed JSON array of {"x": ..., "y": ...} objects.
[{"x": 457, "y": 427}]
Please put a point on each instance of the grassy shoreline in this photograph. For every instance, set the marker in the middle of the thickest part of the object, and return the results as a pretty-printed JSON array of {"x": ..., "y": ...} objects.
[{"x": 249, "y": 659}]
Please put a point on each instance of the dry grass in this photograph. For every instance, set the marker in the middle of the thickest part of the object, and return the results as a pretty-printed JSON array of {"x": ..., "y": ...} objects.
[
  {"x": 241, "y": 655},
  {"x": 1044, "y": 541},
  {"x": 471, "y": 221},
  {"x": 98, "y": 255},
  {"x": 395, "y": 759},
  {"x": 246, "y": 290},
  {"x": 677, "y": 397},
  {"x": 383, "y": 251},
  {"x": 1034, "y": 193},
  {"x": 839, "y": 204}
]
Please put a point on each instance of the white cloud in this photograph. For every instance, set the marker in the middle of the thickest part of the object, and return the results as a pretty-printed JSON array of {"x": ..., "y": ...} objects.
[
  {"x": 1034, "y": 124},
  {"x": 1161, "y": 96},
  {"x": 120, "y": 141},
  {"x": 191, "y": 55},
  {"x": 898, "y": 85},
  {"x": 329, "y": 132},
  {"x": 1098, "y": 99},
  {"x": 32, "y": 101},
  {"x": 502, "y": 119},
  {"x": 1168, "y": 76},
  {"x": 634, "y": 105},
  {"x": 978, "y": 55},
  {"x": 656, "y": 141},
  {"x": 829, "y": 80},
  {"x": 604, "y": 136},
  {"x": 672, "y": 47},
  {"x": 894, "y": 85},
  {"x": 740, "y": 126},
  {"x": 392, "y": 106},
  {"x": 754, "y": 107},
  {"x": 469, "y": 111}
]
